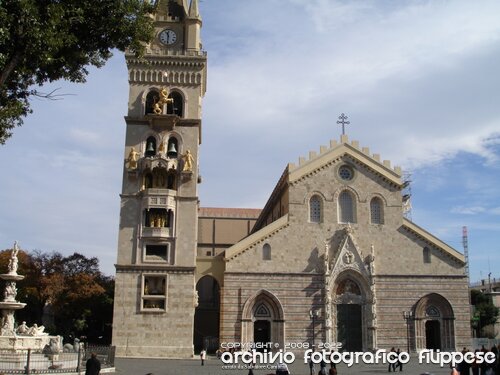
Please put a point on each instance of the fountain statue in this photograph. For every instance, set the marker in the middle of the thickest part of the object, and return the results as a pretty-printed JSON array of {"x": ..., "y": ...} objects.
[{"x": 15, "y": 341}]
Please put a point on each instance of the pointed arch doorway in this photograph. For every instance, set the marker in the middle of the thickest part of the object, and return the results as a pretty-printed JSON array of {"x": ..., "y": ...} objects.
[{"x": 263, "y": 320}]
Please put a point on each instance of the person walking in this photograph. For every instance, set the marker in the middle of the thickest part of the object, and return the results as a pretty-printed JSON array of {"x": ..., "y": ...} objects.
[
  {"x": 392, "y": 366},
  {"x": 333, "y": 369},
  {"x": 398, "y": 363},
  {"x": 203, "y": 355},
  {"x": 93, "y": 366}
]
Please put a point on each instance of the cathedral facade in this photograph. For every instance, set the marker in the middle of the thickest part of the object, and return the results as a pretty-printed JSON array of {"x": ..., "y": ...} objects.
[{"x": 330, "y": 258}]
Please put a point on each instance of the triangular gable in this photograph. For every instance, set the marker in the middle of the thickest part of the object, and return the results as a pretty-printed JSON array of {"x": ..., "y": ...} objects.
[
  {"x": 255, "y": 238},
  {"x": 434, "y": 241},
  {"x": 328, "y": 156},
  {"x": 349, "y": 257}
]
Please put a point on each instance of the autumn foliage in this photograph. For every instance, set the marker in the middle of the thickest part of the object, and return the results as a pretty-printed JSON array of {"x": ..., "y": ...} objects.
[{"x": 67, "y": 294}]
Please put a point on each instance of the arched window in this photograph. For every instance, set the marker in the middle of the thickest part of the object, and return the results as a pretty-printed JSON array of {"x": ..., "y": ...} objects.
[
  {"x": 150, "y": 146},
  {"x": 376, "y": 212},
  {"x": 151, "y": 98},
  {"x": 172, "y": 148},
  {"x": 427, "y": 255},
  {"x": 346, "y": 208},
  {"x": 266, "y": 252},
  {"x": 176, "y": 106},
  {"x": 315, "y": 209}
]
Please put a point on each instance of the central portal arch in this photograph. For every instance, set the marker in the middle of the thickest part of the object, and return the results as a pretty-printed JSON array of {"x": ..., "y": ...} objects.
[{"x": 263, "y": 319}]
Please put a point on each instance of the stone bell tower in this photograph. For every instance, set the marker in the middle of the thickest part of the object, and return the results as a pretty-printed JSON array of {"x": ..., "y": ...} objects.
[{"x": 155, "y": 294}]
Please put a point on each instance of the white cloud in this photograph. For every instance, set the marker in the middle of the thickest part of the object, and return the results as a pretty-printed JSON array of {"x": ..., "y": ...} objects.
[{"x": 468, "y": 210}]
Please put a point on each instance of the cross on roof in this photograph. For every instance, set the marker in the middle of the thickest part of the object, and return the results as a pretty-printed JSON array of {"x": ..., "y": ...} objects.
[{"x": 342, "y": 120}]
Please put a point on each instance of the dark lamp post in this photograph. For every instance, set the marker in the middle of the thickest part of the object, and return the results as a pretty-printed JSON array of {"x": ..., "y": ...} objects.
[
  {"x": 313, "y": 314},
  {"x": 408, "y": 316}
]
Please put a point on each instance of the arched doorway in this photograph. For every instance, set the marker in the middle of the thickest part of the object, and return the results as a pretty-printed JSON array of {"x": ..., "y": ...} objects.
[
  {"x": 432, "y": 335},
  {"x": 206, "y": 315},
  {"x": 434, "y": 323},
  {"x": 263, "y": 319},
  {"x": 349, "y": 315}
]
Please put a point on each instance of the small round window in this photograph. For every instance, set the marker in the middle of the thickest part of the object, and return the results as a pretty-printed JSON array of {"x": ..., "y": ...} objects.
[{"x": 346, "y": 173}]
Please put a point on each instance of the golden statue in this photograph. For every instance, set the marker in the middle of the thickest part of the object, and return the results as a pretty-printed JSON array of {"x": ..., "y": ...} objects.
[
  {"x": 132, "y": 159},
  {"x": 161, "y": 147},
  {"x": 188, "y": 162},
  {"x": 158, "y": 106}
]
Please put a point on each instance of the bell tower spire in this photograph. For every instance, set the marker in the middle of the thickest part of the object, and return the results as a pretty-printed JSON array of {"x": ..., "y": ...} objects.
[
  {"x": 157, "y": 242},
  {"x": 193, "y": 39}
]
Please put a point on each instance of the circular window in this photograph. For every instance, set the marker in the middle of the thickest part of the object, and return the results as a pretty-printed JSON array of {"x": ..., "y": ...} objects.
[{"x": 346, "y": 173}]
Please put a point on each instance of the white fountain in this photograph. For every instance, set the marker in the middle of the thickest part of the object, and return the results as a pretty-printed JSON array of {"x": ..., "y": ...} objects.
[{"x": 15, "y": 342}]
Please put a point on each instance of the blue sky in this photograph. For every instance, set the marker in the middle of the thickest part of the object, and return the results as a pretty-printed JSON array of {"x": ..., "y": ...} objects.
[{"x": 419, "y": 81}]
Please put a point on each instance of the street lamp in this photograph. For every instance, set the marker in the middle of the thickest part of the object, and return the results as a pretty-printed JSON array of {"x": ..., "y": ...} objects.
[
  {"x": 407, "y": 315},
  {"x": 313, "y": 314}
]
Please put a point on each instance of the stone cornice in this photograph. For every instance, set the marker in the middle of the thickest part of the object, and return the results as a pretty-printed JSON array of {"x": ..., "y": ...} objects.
[
  {"x": 132, "y": 268},
  {"x": 255, "y": 238},
  {"x": 433, "y": 241}
]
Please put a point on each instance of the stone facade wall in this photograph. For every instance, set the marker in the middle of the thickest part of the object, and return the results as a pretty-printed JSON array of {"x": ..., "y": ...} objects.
[
  {"x": 166, "y": 334},
  {"x": 296, "y": 294}
]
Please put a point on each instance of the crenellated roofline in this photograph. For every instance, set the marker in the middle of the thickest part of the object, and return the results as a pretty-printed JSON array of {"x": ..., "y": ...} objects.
[{"x": 329, "y": 155}]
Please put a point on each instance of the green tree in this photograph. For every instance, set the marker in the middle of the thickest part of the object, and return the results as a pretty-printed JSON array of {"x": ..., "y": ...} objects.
[
  {"x": 485, "y": 312},
  {"x": 46, "y": 40}
]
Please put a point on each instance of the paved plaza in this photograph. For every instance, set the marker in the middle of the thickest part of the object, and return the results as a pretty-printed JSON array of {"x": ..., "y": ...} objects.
[{"x": 213, "y": 366}]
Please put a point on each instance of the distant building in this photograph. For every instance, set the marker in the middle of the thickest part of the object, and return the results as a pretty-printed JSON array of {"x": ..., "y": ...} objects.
[
  {"x": 330, "y": 257},
  {"x": 490, "y": 287}
]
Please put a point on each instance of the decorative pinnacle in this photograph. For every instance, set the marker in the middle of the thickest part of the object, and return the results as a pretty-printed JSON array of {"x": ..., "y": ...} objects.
[{"x": 342, "y": 120}]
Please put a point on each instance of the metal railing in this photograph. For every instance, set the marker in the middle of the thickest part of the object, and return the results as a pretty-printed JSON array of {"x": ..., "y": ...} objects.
[{"x": 28, "y": 361}]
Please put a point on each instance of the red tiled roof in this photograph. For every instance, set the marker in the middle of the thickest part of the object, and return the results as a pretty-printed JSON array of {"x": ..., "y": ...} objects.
[{"x": 250, "y": 213}]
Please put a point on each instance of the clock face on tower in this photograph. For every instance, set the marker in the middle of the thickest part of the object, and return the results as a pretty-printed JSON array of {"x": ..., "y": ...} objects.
[{"x": 168, "y": 37}]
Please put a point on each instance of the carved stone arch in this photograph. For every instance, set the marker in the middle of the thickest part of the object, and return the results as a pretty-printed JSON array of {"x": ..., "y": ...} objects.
[
  {"x": 252, "y": 321},
  {"x": 315, "y": 203},
  {"x": 360, "y": 279},
  {"x": 348, "y": 188},
  {"x": 374, "y": 216},
  {"x": 147, "y": 105},
  {"x": 144, "y": 143},
  {"x": 433, "y": 323},
  {"x": 179, "y": 105},
  {"x": 270, "y": 298},
  {"x": 352, "y": 312},
  {"x": 309, "y": 195},
  {"x": 180, "y": 140},
  {"x": 377, "y": 195}
]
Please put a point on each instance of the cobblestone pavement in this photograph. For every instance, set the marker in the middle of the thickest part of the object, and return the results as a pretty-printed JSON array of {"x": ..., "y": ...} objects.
[{"x": 213, "y": 366}]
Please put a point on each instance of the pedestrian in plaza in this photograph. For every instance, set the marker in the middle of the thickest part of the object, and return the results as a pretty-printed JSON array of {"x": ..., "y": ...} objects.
[
  {"x": 203, "y": 355},
  {"x": 475, "y": 365},
  {"x": 311, "y": 367},
  {"x": 453, "y": 370},
  {"x": 398, "y": 363},
  {"x": 464, "y": 367},
  {"x": 93, "y": 366},
  {"x": 282, "y": 369},
  {"x": 392, "y": 366},
  {"x": 322, "y": 368},
  {"x": 333, "y": 369}
]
